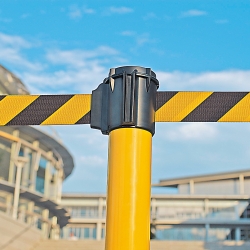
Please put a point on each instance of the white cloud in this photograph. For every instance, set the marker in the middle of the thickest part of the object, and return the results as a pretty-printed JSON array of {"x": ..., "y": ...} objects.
[
  {"x": 77, "y": 58},
  {"x": 25, "y": 15},
  {"x": 93, "y": 160},
  {"x": 140, "y": 39},
  {"x": 10, "y": 51},
  {"x": 227, "y": 80},
  {"x": 14, "y": 41},
  {"x": 192, "y": 131},
  {"x": 88, "y": 10},
  {"x": 81, "y": 71},
  {"x": 222, "y": 21},
  {"x": 120, "y": 10},
  {"x": 150, "y": 15},
  {"x": 76, "y": 12},
  {"x": 68, "y": 80},
  {"x": 193, "y": 13},
  {"x": 128, "y": 33}
]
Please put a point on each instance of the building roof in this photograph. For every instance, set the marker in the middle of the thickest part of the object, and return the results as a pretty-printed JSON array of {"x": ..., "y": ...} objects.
[
  {"x": 10, "y": 84},
  {"x": 234, "y": 197},
  {"x": 174, "y": 182},
  {"x": 82, "y": 195}
]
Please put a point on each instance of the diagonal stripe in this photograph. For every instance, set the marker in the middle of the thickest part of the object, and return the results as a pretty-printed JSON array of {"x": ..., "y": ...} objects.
[
  {"x": 85, "y": 119},
  {"x": 163, "y": 96},
  {"x": 218, "y": 104},
  {"x": 72, "y": 111},
  {"x": 11, "y": 105},
  {"x": 179, "y": 106},
  {"x": 39, "y": 110},
  {"x": 240, "y": 112},
  {"x": 1, "y": 97}
]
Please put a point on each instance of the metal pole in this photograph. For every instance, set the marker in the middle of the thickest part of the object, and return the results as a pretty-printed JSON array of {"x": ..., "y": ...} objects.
[
  {"x": 123, "y": 106},
  {"x": 129, "y": 185}
]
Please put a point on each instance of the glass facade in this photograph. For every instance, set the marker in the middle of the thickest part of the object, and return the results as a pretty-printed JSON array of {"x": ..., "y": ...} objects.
[
  {"x": 172, "y": 217},
  {"x": 192, "y": 234},
  {"x": 84, "y": 212},
  {"x": 79, "y": 232},
  {"x": 33, "y": 179}
]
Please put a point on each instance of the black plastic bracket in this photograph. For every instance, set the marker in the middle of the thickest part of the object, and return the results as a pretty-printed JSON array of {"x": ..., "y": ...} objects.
[{"x": 125, "y": 99}]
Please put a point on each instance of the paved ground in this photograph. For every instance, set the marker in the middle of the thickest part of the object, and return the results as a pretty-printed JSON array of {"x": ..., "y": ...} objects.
[{"x": 155, "y": 245}]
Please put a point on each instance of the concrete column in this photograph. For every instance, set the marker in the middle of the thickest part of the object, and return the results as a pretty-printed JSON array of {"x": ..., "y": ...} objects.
[
  {"x": 55, "y": 230},
  {"x": 25, "y": 173},
  {"x": 206, "y": 207},
  {"x": 19, "y": 166},
  {"x": 9, "y": 200},
  {"x": 99, "y": 231},
  {"x": 191, "y": 186},
  {"x": 14, "y": 151},
  {"x": 237, "y": 234},
  {"x": 59, "y": 180},
  {"x": 45, "y": 226},
  {"x": 241, "y": 184},
  {"x": 30, "y": 211},
  {"x": 153, "y": 209},
  {"x": 99, "y": 223},
  {"x": 22, "y": 213},
  {"x": 36, "y": 155},
  {"x": 47, "y": 177}
]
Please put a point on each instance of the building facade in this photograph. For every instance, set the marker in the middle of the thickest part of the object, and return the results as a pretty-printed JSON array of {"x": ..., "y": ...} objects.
[
  {"x": 33, "y": 165},
  {"x": 206, "y": 207}
]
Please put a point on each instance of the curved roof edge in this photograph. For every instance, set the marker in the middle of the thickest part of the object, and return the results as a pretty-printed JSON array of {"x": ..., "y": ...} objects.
[
  {"x": 50, "y": 142},
  {"x": 11, "y": 84}
]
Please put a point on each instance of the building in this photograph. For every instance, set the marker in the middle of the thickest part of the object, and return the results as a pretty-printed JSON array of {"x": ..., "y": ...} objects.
[
  {"x": 33, "y": 165},
  {"x": 206, "y": 207}
]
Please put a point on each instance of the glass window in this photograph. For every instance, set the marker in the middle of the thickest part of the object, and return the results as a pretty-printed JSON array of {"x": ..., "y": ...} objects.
[
  {"x": 39, "y": 223},
  {"x": 94, "y": 233},
  {"x": 84, "y": 212},
  {"x": 21, "y": 152},
  {"x": 40, "y": 184},
  {"x": 40, "y": 175},
  {"x": 81, "y": 232},
  {"x": 86, "y": 233},
  {"x": 180, "y": 234},
  {"x": 103, "y": 233},
  {"x": 42, "y": 163}
]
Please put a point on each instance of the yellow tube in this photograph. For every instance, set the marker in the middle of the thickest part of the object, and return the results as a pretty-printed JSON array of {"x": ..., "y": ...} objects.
[{"x": 129, "y": 186}]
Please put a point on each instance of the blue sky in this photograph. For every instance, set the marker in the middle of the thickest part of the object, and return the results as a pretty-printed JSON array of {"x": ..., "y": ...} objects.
[{"x": 68, "y": 47}]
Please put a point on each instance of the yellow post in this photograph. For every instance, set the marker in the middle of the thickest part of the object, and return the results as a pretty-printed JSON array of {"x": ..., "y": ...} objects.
[
  {"x": 123, "y": 107},
  {"x": 129, "y": 181}
]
